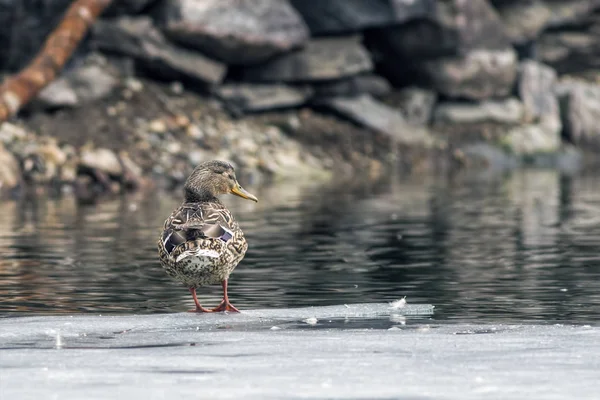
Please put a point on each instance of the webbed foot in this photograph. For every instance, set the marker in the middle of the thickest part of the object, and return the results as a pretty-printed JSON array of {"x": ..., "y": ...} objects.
[{"x": 225, "y": 306}]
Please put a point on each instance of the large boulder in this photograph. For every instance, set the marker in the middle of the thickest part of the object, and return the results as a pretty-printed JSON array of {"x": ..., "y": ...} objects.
[
  {"x": 415, "y": 103},
  {"x": 244, "y": 98},
  {"x": 459, "y": 39},
  {"x": 371, "y": 84},
  {"x": 456, "y": 27},
  {"x": 368, "y": 112},
  {"x": 321, "y": 59},
  {"x": 572, "y": 51},
  {"x": 580, "y": 110},
  {"x": 235, "y": 31},
  {"x": 535, "y": 87},
  {"x": 525, "y": 20},
  {"x": 333, "y": 17},
  {"x": 542, "y": 131},
  {"x": 76, "y": 87},
  {"x": 478, "y": 75},
  {"x": 508, "y": 112},
  {"x": 532, "y": 139},
  {"x": 137, "y": 37},
  {"x": 129, "y": 7}
]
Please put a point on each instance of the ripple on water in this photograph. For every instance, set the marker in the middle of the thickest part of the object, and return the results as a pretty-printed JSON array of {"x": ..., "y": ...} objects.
[{"x": 521, "y": 247}]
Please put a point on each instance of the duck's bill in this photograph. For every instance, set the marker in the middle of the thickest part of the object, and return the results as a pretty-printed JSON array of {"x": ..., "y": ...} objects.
[{"x": 240, "y": 191}]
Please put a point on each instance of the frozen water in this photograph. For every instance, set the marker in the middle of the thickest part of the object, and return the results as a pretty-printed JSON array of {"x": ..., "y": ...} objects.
[
  {"x": 35, "y": 328},
  {"x": 404, "y": 355}
]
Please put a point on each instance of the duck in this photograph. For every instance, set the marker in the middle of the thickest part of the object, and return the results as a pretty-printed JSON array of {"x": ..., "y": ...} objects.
[{"x": 201, "y": 242}]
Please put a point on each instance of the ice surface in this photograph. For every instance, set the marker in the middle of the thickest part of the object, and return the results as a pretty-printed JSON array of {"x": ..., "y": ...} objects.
[{"x": 241, "y": 356}]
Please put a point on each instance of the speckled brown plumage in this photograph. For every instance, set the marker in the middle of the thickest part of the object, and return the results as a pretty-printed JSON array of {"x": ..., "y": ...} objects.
[
  {"x": 203, "y": 228},
  {"x": 201, "y": 243}
]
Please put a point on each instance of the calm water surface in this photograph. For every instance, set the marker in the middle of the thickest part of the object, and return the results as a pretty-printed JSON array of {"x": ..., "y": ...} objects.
[{"x": 516, "y": 248}]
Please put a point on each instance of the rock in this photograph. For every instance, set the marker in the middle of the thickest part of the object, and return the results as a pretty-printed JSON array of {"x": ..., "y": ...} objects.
[
  {"x": 416, "y": 104},
  {"x": 11, "y": 132},
  {"x": 580, "y": 111},
  {"x": 24, "y": 26},
  {"x": 374, "y": 85},
  {"x": 158, "y": 126},
  {"x": 92, "y": 82},
  {"x": 137, "y": 37},
  {"x": 79, "y": 86},
  {"x": 571, "y": 51},
  {"x": 509, "y": 112},
  {"x": 368, "y": 112},
  {"x": 332, "y": 17},
  {"x": 321, "y": 59},
  {"x": 240, "y": 98},
  {"x": 58, "y": 94},
  {"x": 234, "y": 31},
  {"x": 41, "y": 160},
  {"x": 486, "y": 156},
  {"x": 532, "y": 139},
  {"x": 68, "y": 170},
  {"x": 478, "y": 75},
  {"x": 131, "y": 171},
  {"x": 525, "y": 20},
  {"x": 456, "y": 27},
  {"x": 9, "y": 169},
  {"x": 101, "y": 159},
  {"x": 535, "y": 87},
  {"x": 128, "y": 7}
]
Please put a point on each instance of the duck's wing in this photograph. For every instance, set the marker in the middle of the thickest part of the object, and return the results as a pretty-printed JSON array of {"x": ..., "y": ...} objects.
[{"x": 197, "y": 221}]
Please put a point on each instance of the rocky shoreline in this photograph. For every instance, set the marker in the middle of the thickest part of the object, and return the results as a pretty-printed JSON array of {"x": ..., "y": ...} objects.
[{"x": 305, "y": 88}]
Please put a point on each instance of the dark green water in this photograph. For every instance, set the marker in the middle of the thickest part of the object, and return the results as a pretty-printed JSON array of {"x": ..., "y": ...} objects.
[{"x": 520, "y": 247}]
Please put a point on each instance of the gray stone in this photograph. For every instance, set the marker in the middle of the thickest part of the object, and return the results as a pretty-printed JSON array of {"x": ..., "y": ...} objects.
[
  {"x": 241, "y": 98},
  {"x": 129, "y": 7},
  {"x": 101, "y": 159},
  {"x": 92, "y": 82},
  {"x": 233, "y": 31},
  {"x": 542, "y": 134},
  {"x": 416, "y": 104},
  {"x": 332, "y": 17},
  {"x": 486, "y": 157},
  {"x": 509, "y": 112},
  {"x": 580, "y": 110},
  {"x": 535, "y": 87},
  {"x": 10, "y": 133},
  {"x": 456, "y": 27},
  {"x": 533, "y": 139},
  {"x": 41, "y": 159},
  {"x": 478, "y": 75},
  {"x": 321, "y": 59},
  {"x": 361, "y": 84},
  {"x": 58, "y": 94},
  {"x": 525, "y": 20},
  {"x": 9, "y": 169},
  {"x": 78, "y": 86},
  {"x": 571, "y": 51},
  {"x": 137, "y": 37},
  {"x": 368, "y": 112}
]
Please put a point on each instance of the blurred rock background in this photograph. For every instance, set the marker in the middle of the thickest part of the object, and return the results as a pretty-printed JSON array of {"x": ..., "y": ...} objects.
[{"x": 304, "y": 87}]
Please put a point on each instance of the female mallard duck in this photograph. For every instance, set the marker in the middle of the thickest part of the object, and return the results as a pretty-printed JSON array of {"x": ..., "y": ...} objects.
[{"x": 202, "y": 243}]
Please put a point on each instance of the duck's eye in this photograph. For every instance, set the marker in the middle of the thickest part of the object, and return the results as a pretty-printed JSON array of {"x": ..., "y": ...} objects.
[{"x": 231, "y": 177}]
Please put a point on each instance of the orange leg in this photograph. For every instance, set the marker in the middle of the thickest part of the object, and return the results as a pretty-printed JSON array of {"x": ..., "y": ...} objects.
[
  {"x": 225, "y": 304},
  {"x": 199, "y": 308}
]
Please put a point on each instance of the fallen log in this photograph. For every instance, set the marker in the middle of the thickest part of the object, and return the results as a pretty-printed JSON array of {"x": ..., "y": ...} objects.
[{"x": 19, "y": 89}]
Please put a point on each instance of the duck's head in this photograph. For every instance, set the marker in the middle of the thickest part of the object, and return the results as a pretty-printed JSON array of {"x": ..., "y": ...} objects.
[{"x": 211, "y": 179}]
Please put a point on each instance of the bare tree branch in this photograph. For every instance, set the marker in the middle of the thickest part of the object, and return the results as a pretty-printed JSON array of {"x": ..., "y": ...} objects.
[{"x": 19, "y": 89}]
